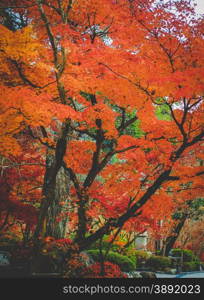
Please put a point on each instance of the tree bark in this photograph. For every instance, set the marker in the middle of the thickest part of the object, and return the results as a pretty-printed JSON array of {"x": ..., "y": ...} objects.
[
  {"x": 54, "y": 162},
  {"x": 54, "y": 227},
  {"x": 82, "y": 220},
  {"x": 170, "y": 241},
  {"x": 48, "y": 194}
]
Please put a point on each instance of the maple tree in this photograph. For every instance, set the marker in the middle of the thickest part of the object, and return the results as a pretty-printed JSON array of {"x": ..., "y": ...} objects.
[
  {"x": 191, "y": 237},
  {"x": 110, "y": 96},
  {"x": 188, "y": 227}
]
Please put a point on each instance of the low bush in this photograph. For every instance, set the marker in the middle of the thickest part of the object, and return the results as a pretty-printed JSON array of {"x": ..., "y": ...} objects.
[
  {"x": 191, "y": 266},
  {"x": 142, "y": 257},
  {"x": 130, "y": 253},
  {"x": 188, "y": 255},
  {"x": 139, "y": 257},
  {"x": 158, "y": 262},
  {"x": 124, "y": 262}
]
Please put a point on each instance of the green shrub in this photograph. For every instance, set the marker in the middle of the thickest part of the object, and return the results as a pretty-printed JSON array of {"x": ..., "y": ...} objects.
[
  {"x": 142, "y": 257},
  {"x": 190, "y": 266},
  {"x": 158, "y": 262},
  {"x": 137, "y": 256},
  {"x": 130, "y": 253},
  {"x": 124, "y": 262},
  {"x": 188, "y": 255}
]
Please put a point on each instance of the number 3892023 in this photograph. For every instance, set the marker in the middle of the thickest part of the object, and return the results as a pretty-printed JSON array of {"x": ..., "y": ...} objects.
[{"x": 177, "y": 289}]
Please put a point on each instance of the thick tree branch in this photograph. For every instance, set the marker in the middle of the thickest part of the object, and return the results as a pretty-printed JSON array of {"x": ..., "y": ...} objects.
[
  {"x": 95, "y": 168},
  {"x": 101, "y": 165},
  {"x": 24, "y": 78},
  {"x": 39, "y": 139},
  {"x": 73, "y": 179},
  {"x": 179, "y": 125},
  {"x": 49, "y": 31},
  {"x": 124, "y": 124},
  {"x": 185, "y": 145}
]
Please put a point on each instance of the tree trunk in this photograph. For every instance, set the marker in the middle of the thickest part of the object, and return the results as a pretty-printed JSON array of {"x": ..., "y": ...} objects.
[
  {"x": 82, "y": 223},
  {"x": 170, "y": 241},
  {"x": 54, "y": 227},
  {"x": 54, "y": 162},
  {"x": 48, "y": 194},
  {"x": 26, "y": 234}
]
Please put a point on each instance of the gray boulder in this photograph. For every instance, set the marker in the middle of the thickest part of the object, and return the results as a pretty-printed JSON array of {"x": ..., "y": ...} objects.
[{"x": 148, "y": 275}]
